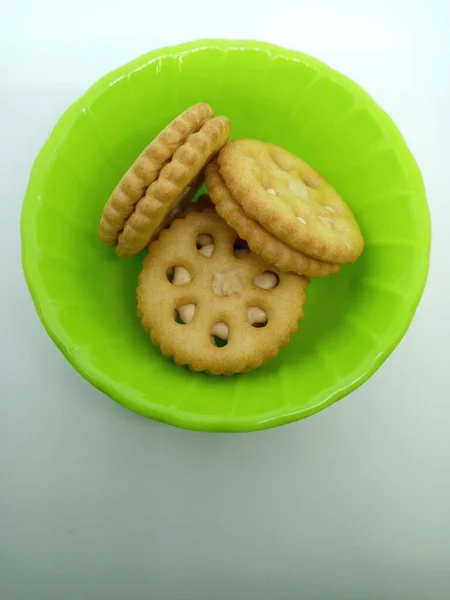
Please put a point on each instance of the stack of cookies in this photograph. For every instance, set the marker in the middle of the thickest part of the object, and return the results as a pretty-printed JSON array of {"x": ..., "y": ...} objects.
[
  {"x": 163, "y": 179},
  {"x": 223, "y": 284}
]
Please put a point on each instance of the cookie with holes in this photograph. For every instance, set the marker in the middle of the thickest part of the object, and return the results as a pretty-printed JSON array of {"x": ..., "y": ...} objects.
[
  {"x": 211, "y": 303},
  {"x": 263, "y": 243},
  {"x": 290, "y": 200},
  {"x": 177, "y": 183},
  {"x": 146, "y": 168}
]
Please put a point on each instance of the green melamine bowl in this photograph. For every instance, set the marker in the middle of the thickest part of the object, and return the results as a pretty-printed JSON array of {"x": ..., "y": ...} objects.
[{"x": 85, "y": 295}]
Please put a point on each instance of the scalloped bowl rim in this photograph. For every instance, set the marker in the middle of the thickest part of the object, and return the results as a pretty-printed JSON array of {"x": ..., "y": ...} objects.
[{"x": 110, "y": 387}]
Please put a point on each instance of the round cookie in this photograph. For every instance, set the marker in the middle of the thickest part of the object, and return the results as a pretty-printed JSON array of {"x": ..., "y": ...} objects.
[
  {"x": 146, "y": 168},
  {"x": 290, "y": 200},
  {"x": 260, "y": 241},
  {"x": 176, "y": 185},
  {"x": 209, "y": 309}
]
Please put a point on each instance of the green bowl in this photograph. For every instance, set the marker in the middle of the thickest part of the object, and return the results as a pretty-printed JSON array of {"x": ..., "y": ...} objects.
[{"x": 85, "y": 295}]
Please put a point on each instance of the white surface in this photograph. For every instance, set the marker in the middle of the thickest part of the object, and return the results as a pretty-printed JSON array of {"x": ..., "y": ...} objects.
[{"x": 97, "y": 502}]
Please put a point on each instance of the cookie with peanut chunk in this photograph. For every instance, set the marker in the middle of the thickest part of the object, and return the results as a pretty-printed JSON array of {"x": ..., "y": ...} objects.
[
  {"x": 146, "y": 168},
  {"x": 291, "y": 200},
  {"x": 208, "y": 306},
  {"x": 177, "y": 183},
  {"x": 260, "y": 241}
]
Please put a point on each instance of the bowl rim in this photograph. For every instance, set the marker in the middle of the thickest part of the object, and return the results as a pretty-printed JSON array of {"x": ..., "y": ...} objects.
[{"x": 108, "y": 386}]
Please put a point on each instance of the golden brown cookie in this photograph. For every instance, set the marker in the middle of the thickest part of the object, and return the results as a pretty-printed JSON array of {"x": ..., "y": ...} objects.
[
  {"x": 177, "y": 183},
  {"x": 290, "y": 200},
  {"x": 146, "y": 168},
  {"x": 260, "y": 241},
  {"x": 210, "y": 309}
]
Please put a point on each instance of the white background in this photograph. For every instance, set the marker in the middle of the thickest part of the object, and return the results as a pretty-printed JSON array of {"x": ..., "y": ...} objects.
[{"x": 97, "y": 502}]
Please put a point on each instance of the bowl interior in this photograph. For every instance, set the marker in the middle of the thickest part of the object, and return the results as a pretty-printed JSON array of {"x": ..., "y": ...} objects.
[{"x": 85, "y": 295}]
